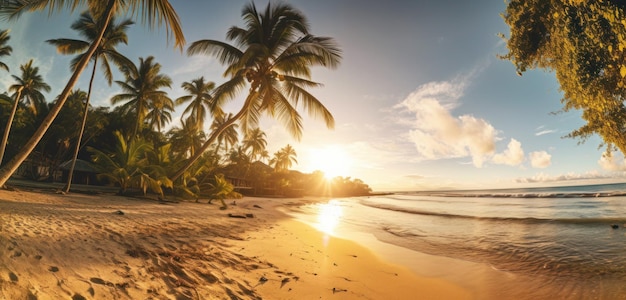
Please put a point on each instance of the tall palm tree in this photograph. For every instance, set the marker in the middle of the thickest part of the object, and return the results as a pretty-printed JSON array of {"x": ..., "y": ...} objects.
[
  {"x": 273, "y": 55},
  {"x": 4, "y": 48},
  {"x": 152, "y": 12},
  {"x": 159, "y": 113},
  {"x": 28, "y": 88},
  {"x": 255, "y": 141},
  {"x": 200, "y": 100},
  {"x": 229, "y": 136},
  {"x": 141, "y": 89},
  {"x": 89, "y": 29}
]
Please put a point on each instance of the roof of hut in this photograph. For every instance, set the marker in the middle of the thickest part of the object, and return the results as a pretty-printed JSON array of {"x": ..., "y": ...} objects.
[{"x": 81, "y": 166}]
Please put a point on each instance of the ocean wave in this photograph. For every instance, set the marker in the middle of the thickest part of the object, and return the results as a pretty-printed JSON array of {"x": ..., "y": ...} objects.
[
  {"x": 521, "y": 195},
  {"x": 526, "y": 220}
]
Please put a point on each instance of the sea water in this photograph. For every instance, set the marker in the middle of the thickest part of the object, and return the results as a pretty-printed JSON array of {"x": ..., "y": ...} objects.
[{"x": 556, "y": 243}]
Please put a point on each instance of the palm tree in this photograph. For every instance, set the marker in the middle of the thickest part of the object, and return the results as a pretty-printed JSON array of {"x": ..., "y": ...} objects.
[
  {"x": 273, "y": 54},
  {"x": 4, "y": 48},
  {"x": 128, "y": 166},
  {"x": 141, "y": 89},
  {"x": 159, "y": 113},
  {"x": 255, "y": 141},
  {"x": 222, "y": 189},
  {"x": 89, "y": 29},
  {"x": 284, "y": 158},
  {"x": 152, "y": 12},
  {"x": 186, "y": 139},
  {"x": 200, "y": 100},
  {"x": 229, "y": 136},
  {"x": 28, "y": 87}
]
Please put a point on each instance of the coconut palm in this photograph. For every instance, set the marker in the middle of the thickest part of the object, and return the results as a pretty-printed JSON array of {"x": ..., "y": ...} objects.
[
  {"x": 185, "y": 139},
  {"x": 106, "y": 52},
  {"x": 229, "y": 136},
  {"x": 273, "y": 56},
  {"x": 284, "y": 158},
  {"x": 152, "y": 12},
  {"x": 28, "y": 88},
  {"x": 142, "y": 89},
  {"x": 159, "y": 113},
  {"x": 255, "y": 141},
  {"x": 200, "y": 100},
  {"x": 4, "y": 48}
]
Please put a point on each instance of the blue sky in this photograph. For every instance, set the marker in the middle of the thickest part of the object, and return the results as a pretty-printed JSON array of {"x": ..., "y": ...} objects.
[{"x": 421, "y": 100}]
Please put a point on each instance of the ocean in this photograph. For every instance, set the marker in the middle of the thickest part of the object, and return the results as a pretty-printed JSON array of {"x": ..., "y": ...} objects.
[{"x": 533, "y": 243}]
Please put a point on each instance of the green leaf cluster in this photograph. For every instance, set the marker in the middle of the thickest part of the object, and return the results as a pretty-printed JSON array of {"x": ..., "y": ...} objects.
[{"x": 584, "y": 43}]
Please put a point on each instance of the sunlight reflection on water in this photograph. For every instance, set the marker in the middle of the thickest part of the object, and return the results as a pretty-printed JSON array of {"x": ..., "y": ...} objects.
[{"x": 329, "y": 216}]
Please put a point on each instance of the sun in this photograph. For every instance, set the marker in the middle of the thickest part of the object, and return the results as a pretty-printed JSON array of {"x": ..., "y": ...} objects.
[{"x": 333, "y": 161}]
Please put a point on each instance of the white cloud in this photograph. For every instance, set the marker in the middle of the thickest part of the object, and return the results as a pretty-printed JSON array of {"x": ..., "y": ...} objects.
[
  {"x": 540, "y": 159},
  {"x": 540, "y": 133},
  {"x": 512, "y": 156},
  {"x": 438, "y": 134},
  {"x": 613, "y": 162}
]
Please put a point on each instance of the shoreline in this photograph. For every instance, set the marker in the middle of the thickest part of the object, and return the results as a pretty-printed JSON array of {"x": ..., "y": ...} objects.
[
  {"x": 111, "y": 247},
  {"x": 329, "y": 266}
]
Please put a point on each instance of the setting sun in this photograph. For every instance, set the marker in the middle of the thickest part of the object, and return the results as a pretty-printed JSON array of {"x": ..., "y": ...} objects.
[{"x": 333, "y": 161}]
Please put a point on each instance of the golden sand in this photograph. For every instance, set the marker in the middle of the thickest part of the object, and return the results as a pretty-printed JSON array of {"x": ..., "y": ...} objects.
[{"x": 80, "y": 246}]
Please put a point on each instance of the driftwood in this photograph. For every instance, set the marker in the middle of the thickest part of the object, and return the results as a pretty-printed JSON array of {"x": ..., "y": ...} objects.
[{"x": 241, "y": 216}]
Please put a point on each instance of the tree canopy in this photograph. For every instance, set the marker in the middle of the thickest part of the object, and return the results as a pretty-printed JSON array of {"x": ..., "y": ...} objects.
[{"x": 584, "y": 43}]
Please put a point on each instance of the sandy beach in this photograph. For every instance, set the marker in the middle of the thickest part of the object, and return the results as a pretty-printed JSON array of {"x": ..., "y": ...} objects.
[{"x": 79, "y": 246}]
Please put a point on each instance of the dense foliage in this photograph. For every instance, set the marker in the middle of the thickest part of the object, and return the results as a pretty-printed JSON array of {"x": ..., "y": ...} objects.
[
  {"x": 128, "y": 145},
  {"x": 584, "y": 43}
]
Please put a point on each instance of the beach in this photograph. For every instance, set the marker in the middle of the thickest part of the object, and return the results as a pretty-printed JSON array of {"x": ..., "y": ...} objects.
[{"x": 103, "y": 246}]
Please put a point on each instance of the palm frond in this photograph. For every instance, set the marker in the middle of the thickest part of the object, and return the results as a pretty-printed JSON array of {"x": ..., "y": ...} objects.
[
  {"x": 12, "y": 9},
  {"x": 310, "y": 103},
  {"x": 159, "y": 12},
  {"x": 225, "y": 53}
]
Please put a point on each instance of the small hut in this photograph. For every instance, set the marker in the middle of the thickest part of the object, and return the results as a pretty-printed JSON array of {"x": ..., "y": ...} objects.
[{"x": 84, "y": 172}]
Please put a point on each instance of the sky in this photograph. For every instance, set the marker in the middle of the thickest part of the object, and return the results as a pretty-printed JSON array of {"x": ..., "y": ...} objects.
[{"x": 421, "y": 100}]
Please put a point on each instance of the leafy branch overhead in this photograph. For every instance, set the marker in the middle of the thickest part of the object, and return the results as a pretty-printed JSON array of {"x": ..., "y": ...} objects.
[{"x": 584, "y": 43}]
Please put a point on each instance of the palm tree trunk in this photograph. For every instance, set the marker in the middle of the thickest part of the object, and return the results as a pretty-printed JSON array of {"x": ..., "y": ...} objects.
[
  {"x": 82, "y": 127},
  {"x": 11, "y": 166},
  {"x": 214, "y": 135},
  {"x": 7, "y": 129}
]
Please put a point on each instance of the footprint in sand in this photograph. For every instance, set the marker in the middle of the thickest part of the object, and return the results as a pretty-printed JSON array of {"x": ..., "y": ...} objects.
[
  {"x": 78, "y": 297},
  {"x": 13, "y": 277}
]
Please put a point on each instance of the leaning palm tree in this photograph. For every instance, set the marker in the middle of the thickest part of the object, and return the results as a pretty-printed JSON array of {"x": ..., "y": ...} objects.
[
  {"x": 200, "y": 100},
  {"x": 141, "y": 89},
  {"x": 152, "y": 12},
  {"x": 273, "y": 55},
  {"x": 4, "y": 48},
  {"x": 28, "y": 88},
  {"x": 106, "y": 52}
]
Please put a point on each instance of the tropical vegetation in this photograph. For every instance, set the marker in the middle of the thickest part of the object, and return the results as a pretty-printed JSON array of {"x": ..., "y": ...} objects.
[
  {"x": 582, "y": 42},
  {"x": 133, "y": 144}
]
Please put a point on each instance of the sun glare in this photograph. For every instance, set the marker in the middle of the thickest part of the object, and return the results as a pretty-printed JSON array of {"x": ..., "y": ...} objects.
[
  {"x": 332, "y": 161},
  {"x": 329, "y": 216}
]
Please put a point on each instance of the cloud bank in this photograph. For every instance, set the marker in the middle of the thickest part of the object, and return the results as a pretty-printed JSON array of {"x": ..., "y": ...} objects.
[{"x": 438, "y": 134}]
